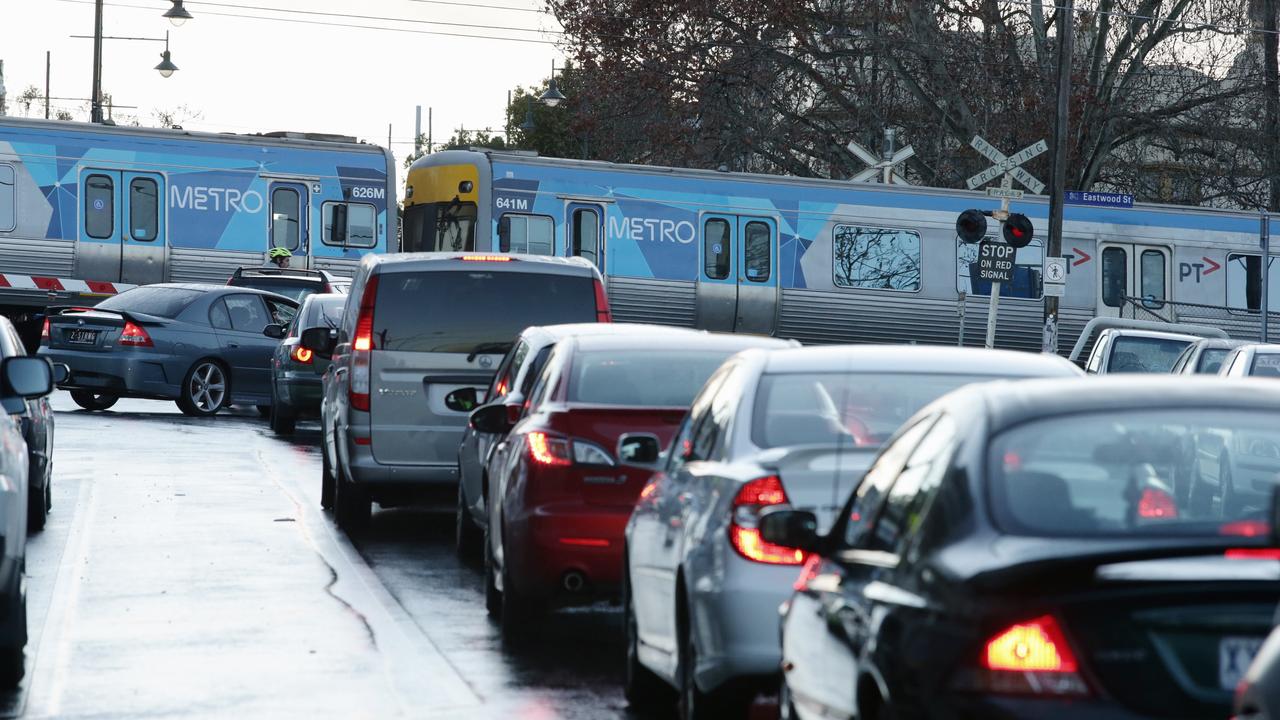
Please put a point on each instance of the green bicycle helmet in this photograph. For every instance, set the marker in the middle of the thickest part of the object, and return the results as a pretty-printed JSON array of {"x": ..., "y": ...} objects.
[{"x": 279, "y": 252}]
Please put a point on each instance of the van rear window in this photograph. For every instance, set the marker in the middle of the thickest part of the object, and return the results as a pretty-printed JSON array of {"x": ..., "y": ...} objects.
[{"x": 462, "y": 311}]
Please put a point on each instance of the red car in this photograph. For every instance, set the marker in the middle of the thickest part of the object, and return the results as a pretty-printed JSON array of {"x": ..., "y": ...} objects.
[{"x": 566, "y": 478}]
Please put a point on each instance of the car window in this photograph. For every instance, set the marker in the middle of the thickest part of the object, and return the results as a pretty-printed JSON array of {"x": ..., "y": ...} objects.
[
  {"x": 1136, "y": 354},
  {"x": 1265, "y": 365},
  {"x": 247, "y": 312},
  {"x": 534, "y": 367},
  {"x": 282, "y": 313},
  {"x": 724, "y": 406},
  {"x": 682, "y": 448},
  {"x": 546, "y": 383},
  {"x": 505, "y": 377},
  {"x": 651, "y": 377},
  {"x": 1211, "y": 361},
  {"x": 166, "y": 302},
  {"x": 904, "y": 509},
  {"x": 874, "y": 487},
  {"x": 218, "y": 316}
]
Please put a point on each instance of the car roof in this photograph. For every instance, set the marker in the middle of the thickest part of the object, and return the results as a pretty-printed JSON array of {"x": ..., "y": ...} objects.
[
  {"x": 1010, "y": 403},
  {"x": 917, "y": 359},
  {"x": 642, "y": 337},
  {"x": 314, "y": 298},
  {"x": 1159, "y": 334},
  {"x": 1220, "y": 343},
  {"x": 1256, "y": 348},
  {"x": 553, "y": 333},
  {"x": 221, "y": 289},
  {"x": 498, "y": 262}
]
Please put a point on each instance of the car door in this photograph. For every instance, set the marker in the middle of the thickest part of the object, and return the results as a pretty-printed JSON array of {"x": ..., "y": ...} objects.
[{"x": 244, "y": 347}]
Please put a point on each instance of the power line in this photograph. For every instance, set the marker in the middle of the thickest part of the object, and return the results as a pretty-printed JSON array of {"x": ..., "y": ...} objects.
[{"x": 354, "y": 16}]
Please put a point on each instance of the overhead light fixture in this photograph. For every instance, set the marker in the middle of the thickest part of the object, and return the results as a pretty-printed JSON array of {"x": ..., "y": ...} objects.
[
  {"x": 166, "y": 66},
  {"x": 177, "y": 14}
]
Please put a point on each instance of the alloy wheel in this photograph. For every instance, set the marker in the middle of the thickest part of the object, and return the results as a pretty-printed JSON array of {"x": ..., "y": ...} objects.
[{"x": 208, "y": 387}]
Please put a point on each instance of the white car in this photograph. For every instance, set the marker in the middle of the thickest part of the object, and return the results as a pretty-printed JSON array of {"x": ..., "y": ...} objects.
[{"x": 782, "y": 427}]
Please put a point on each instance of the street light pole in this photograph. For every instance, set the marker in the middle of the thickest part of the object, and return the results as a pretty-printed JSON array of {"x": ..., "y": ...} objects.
[
  {"x": 1058, "y": 180},
  {"x": 95, "y": 97}
]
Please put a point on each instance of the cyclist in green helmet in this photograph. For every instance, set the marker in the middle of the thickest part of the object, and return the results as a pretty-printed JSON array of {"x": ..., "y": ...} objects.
[{"x": 279, "y": 257}]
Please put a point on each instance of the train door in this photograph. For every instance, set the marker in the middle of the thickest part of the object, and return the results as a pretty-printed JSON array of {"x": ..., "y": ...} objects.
[
  {"x": 1132, "y": 276},
  {"x": 98, "y": 246},
  {"x": 585, "y": 232},
  {"x": 737, "y": 288},
  {"x": 288, "y": 225},
  {"x": 142, "y": 228}
]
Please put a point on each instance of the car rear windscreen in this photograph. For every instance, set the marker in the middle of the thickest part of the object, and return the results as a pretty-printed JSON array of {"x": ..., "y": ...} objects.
[
  {"x": 460, "y": 311},
  {"x": 1211, "y": 361},
  {"x": 1185, "y": 471},
  {"x": 1265, "y": 365},
  {"x": 159, "y": 301},
  {"x": 861, "y": 409},
  {"x": 642, "y": 378},
  {"x": 1132, "y": 354}
]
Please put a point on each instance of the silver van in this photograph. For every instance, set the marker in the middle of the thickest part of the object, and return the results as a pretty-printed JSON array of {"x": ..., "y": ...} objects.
[{"x": 421, "y": 337}]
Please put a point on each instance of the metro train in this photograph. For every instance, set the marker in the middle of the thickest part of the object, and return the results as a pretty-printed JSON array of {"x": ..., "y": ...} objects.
[{"x": 826, "y": 261}]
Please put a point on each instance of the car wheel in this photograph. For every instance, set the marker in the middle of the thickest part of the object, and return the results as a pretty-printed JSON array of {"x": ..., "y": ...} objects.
[
  {"x": 695, "y": 704},
  {"x": 12, "y": 665},
  {"x": 351, "y": 505},
  {"x": 492, "y": 596},
  {"x": 90, "y": 400},
  {"x": 467, "y": 537},
  {"x": 205, "y": 389},
  {"x": 327, "y": 480},
  {"x": 263, "y": 410},
  {"x": 282, "y": 421},
  {"x": 37, "y": 508},
  {"x": 643, "y": 689},
  {"x": 519, "y": 610}
]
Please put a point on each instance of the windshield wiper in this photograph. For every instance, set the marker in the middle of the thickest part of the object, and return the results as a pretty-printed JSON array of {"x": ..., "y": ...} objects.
[{"x": 486, "y": 348}]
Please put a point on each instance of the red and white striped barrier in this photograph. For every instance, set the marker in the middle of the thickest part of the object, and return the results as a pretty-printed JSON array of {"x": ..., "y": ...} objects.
[{"x": 51, "y": 284}]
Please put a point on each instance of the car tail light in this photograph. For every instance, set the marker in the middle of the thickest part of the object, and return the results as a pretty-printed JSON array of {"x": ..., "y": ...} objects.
[
  {"x": 744, "y": 531},
  {"x": 44, "y": 333},
  {"x": 1031, "y": 657},
  {"x": 362, "y": 348},
  {"x": 807, "y": 573},
  {"x": 301, "y": 355},
  {"x": 134, "y": 336},
  {"x": 1245, "y": 528},
  {"x": 1156, "y": 504},
  {"x": 549, "y": 450},
  {"x": 1253, "y": 554},
  {"x": 603, "y": 313}
]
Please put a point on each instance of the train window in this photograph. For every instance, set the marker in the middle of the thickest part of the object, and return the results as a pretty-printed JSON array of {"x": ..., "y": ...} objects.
[
  {"x": 144, "y": 210},
  {"x": 286, "y": 216},
  {"x": 1027, "y": 268},
  {"x": 875, "y": 258},
  {"x": 8, "y": 191},
  {"x": 532, "y": 234},
  {"x": 362, "y": 225},
  {"x": 1153, "y": 274},
  {"x": 1244, "y": 283},
  {"x": 1115, "y": 276},
  {"x": 716, "y": 256},
  {"x": 585, "y": 229},
  {"x": 99, "y": 206},
  {"x": 757, "y": 247}
]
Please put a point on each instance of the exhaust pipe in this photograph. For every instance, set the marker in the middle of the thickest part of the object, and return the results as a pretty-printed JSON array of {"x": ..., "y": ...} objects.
[{"x": 574, "y": 581}]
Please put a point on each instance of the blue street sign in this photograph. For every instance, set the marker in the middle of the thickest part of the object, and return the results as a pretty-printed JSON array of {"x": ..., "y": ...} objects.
[{"x": 1080, "y": 197}]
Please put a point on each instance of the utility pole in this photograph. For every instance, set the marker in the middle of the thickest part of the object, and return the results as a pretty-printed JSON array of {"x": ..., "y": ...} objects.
[
  {"x": 1271, "y": 69},
  {"x": 1058, "y": 178},
  {"x": 95, "y": 97},
  {"x": 3, "y": 92},
  {"x": 417, "y": 130},
  {"x": 48, "y": 66},
  {"x": 429, "y": 125}
]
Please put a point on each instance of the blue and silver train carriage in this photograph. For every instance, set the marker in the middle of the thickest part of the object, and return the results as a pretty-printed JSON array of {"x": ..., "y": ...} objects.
[
  {"x": 826, "y": 261},
  {"x": 88, "y": 210}
]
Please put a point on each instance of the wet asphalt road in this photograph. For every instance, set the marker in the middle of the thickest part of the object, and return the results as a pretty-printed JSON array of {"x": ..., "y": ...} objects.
[{"x": 187, "y": 571}]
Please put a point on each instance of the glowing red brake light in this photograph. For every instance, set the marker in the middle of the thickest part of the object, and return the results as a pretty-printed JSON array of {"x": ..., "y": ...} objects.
[
  {"x": 486, "y": 258},
  {"x": 1034, "y": 646},
  {"x": 1155, "y": 503},
  {"x": 301, "y": 354},
  {"x": 603, "y": 313},
  {"x": 744, "y": 534},
  {"x": 134, "y": 336},
  {"x": 44, "y": 333},
  {"x": 547, "y": 450},
  {"x": 1245, "y": 528},
  {"x": 1253, "y": 554}
]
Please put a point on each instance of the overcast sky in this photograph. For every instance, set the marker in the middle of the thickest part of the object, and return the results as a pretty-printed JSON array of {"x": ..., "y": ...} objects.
[{"x": 311, "y": 73}]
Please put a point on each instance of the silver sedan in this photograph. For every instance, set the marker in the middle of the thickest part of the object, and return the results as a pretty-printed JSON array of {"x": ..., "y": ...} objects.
[{"x": 799, "y": 427}]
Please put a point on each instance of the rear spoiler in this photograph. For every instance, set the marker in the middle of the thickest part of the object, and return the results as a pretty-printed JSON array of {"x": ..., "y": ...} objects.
[
  {"x": 138, "y": 318},
  {"x": 277, "y": 272}
]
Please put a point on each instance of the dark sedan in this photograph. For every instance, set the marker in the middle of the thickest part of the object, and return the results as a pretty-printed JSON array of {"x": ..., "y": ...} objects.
[
  {"x": 296, "y": 372},
  {"x": 1017, "y": 551},
  {"x": 203, "y": 346},
  {"x": 37, "y": 429}
]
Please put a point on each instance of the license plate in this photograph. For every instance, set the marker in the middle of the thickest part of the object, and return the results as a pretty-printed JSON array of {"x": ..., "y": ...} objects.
[
  {"x": 1235, "y": 654},
  {"x": 79, "y": 336}
]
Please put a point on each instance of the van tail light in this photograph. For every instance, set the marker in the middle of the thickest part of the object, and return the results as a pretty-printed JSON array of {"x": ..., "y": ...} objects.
[
  {"x": 300, "y": 354},
  {"x": 44, "y": 333},
  {"x": 744, "y": 529},
  {"x": 603, "y": 314},
  {"x": 1031, "y": 657},
  {"x": 549, "y": 450},
  {"x": 134, "y": 336},
  {"x": 1156, "y": 504},
  {"x": 362, "y": 347}
]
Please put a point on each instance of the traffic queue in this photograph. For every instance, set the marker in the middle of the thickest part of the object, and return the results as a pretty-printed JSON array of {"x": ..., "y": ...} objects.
[{"x": 854, "y": 531}]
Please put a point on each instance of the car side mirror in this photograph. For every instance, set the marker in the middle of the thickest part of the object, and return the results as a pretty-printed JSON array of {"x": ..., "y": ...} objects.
[
  {"x": 274, "y": 331},
  {"x": 639, "y": 449},
  {"x": 319, "y": 340},
  {"x": 790, "y": 528},
  {"x": 61, "y": 373},
  {"x": 462, "y": 400},
  {"x": 493, "y": 419},
  {"x": 25, "y": 377}
]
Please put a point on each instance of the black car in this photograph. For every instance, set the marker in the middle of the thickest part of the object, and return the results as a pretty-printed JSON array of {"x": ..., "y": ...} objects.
[
  {"x": 1017, "y": 551},
  {"x": 292, "y": 283},
  {"x": 296, "y": 372}
]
